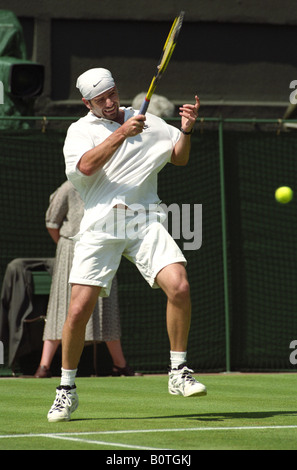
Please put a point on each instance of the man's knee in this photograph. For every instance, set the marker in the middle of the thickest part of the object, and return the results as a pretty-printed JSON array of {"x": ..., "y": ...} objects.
[
  {"x": 82, "y": 304},
  {"x": 174, "y": 281},
  {"x": 77, "y": 317},
  {"x": 79, "y": 313},
  {"x": 180, "y": 291}
]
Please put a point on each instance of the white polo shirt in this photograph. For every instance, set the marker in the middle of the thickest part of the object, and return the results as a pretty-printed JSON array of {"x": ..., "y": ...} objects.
[{"x": 130, "y": 175}]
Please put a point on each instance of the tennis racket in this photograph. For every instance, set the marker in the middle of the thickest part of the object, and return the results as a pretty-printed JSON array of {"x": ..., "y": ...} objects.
[{"x": 167, "y": 52}]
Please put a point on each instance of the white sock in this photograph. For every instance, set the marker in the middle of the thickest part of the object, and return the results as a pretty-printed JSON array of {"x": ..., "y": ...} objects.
[
  {"x": 177, "y": 358},
  {"x": 68, "y": 376}
]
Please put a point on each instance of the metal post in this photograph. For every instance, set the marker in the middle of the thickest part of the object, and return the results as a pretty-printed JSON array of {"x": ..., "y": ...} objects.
[{"x": 224, "y": 246}]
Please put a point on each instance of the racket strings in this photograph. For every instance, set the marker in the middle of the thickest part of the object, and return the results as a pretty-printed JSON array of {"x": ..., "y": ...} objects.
[
  {"x": 167, "y": 52},
  {"x": 171, "y": 42}
]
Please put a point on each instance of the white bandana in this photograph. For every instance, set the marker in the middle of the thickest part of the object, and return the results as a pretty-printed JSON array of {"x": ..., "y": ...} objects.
[{"x": 93, "y": 82}]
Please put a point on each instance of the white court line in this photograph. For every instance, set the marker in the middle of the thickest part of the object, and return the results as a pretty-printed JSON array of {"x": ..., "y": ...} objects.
[
  {"x": 69, "y": 436},
  {"x": 223, "y": 428},
  {"x": 66, "y": 437},
  {"x": 138, "y": 431},
  {"x": 112, "y": 444}
]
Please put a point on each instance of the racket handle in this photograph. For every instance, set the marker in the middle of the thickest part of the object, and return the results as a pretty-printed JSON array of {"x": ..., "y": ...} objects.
[{"x": 144, "y": 106}]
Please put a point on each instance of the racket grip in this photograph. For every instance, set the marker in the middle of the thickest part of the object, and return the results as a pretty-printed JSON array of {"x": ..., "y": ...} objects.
[{"x": 144, "y": 106}]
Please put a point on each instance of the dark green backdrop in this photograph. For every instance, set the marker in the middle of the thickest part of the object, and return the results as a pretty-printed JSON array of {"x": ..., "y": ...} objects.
[{"x": 261, "y": 242}]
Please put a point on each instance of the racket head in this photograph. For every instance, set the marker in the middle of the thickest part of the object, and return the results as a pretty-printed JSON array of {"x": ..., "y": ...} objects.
[
  {"x": 170, "y": 43},
  {"x": 167, "y": 52}
]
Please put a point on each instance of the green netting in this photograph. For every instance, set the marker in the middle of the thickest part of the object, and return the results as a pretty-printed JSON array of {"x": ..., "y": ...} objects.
[
  {"x": 261, "y": 245},
  {"x": 198, "y": 183},
  {"x": 263, "y": 236},
  {"x": 32, "y": 166}
]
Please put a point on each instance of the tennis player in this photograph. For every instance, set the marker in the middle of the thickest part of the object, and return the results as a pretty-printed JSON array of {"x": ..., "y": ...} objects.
[{"x": 113, "y": 156}]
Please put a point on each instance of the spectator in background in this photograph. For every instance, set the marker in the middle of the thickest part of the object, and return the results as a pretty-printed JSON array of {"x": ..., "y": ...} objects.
[{"x": 63, "y": 218}]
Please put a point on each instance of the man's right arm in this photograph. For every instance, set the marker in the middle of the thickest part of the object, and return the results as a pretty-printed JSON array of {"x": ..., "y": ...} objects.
[{"x": 94, "y": 159}]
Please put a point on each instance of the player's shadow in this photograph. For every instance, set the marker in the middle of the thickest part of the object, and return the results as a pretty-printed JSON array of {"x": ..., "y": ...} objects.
[
  {"x": 235, "y": 415},
  {"x": 206, "y": 417}
]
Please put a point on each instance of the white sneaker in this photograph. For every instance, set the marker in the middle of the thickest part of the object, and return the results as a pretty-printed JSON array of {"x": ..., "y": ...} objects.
[
  {"x": 181, "y": 382},
  {"x": 66, "y": 402}
]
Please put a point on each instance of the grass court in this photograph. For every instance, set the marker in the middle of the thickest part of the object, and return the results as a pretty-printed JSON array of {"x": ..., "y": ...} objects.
[{"x": 240, "y": 412}]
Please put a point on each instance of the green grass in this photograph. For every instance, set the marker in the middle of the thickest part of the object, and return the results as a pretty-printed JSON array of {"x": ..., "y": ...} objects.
[{"x": 263, "y": 404}]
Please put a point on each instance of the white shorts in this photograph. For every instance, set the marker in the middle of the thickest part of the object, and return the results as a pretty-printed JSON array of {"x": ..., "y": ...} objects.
[{"x": 142, "y": 239}]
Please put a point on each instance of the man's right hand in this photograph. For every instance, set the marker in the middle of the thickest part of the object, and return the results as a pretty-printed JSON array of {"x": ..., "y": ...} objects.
[{"x": 133, "y": 126}]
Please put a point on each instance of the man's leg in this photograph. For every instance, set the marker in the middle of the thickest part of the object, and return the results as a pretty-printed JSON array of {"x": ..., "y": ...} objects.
[
  {"x": 174, "y": 282},
  {"x": 82, "y": 303}
]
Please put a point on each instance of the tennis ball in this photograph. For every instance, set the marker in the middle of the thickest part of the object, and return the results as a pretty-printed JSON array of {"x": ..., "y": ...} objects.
[{"x": 284, "y": 194}]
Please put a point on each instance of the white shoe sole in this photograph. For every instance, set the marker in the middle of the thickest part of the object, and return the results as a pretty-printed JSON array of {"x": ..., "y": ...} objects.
[
  {"x": 52, "y": 419},
  {"x": 199, "y": 393}
]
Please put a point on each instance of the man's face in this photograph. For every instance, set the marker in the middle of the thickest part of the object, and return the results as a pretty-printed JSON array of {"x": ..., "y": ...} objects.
[{"x": 105, "y": 105}]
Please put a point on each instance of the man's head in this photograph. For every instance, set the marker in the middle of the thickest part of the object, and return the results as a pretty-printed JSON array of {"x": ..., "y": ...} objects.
[
  {"x": 93, "y": 82},
  {"x": 99, "y": 93}
]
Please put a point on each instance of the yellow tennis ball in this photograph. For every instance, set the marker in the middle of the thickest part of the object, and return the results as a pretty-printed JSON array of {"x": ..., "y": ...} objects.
[{"x": 284, "y": 194}]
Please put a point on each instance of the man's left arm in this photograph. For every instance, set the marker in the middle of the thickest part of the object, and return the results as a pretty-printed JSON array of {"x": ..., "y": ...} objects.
[{"x": 181, "y": 152}]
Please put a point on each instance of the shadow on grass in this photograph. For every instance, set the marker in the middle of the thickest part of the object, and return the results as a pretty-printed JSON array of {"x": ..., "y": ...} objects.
[
  {"x": 212, "y": 417},
  {"x": 240, "y": 415}
]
